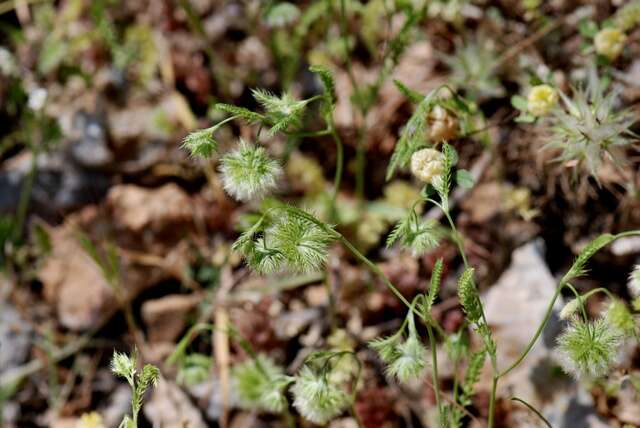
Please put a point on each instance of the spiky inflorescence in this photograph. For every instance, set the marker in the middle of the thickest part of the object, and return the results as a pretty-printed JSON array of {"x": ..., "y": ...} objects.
[
  {"x": 410, "y": 360},
  {"x": 386, "y": 347},
  {"x": 588, "y": 348},
  {"x": 633, "y": 284},
  {"x": 416, "y": 234},
  {"x": 201, "y": 143},
  {"x": 469, "y": 297},
  {"x": 281, "y": 112},
  {"x": 259, "y": 385},
  {"x": 123, "y": 366},
  {"x": 589, "y": 126},
  {"x": 316, "y": 398},
  {"x": 248, "y": 172}
]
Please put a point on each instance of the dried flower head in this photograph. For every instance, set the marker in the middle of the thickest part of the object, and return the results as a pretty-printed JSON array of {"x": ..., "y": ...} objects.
[
  {"x": 609, "y": 42},
  {"x": 248, "y": 172},
  {"x": 426, "y": 164},
  {"x": 443, "y": 126},
  {"x": 260, "y": 384},
  {"x": 317, "y": 398},
  {"x": 633, "y": 284},
  {"x": 588, "y": 348},
  {"x": 541, "y": 99}
]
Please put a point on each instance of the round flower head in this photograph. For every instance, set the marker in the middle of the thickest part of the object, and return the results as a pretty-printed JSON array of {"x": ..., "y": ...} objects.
[
  {"x": 634, "y": 281},
  {"x": 316, "y": 398},
  {"x": 541, "y": 99},
  {"x": 426, "y": 164},
  {"x": 588, "y": 349},
  {"x": 248, "y": 172},
  {"x": 442, "y": 125},
  {"x": 259, "y": 384},
  {"x": 609, "y": 42}
]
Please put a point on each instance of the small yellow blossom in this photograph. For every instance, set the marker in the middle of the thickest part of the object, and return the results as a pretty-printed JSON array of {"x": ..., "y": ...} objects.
[
  {"x": 541, "y": 99},
  {"x": 426, "y": 164},
  {"x": 609, "y": 42},
  {"x": 90, "y": 420}
]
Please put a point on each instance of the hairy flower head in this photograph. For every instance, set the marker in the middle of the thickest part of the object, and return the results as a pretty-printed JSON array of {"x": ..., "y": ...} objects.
[
  {"x": 317, "y": 398},
  {"x": 410, "y": 360},
  {"x": 260, "y": 384},
  {"x": 633, "y": 284},
  {"x": 201, "y": 143},
  {"x": 609, "y": 42},
  {"x": 426, "y": 164},
  {"x": 248, "y": 172},
  {"x": 541, "y": 99},
  {"x": 588, "y": 348}
]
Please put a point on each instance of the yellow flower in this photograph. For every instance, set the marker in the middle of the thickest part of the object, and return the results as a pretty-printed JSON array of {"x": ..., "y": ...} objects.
[
  {"x": 426, "y": 164},
  {"x": 541, "y": 99},
  {"x": 90, "y": 420},
  {"x": 609, "y": 42}
]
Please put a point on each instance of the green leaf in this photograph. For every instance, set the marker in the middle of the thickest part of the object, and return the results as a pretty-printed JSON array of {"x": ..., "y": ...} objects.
[
  {"x": 464, "y": 179},
  {"x": 519, "y": 102},
  {"x": 588, "y": 28},
  {"x": 413, "y": 96},
  {"x": 525, "y": 118}
]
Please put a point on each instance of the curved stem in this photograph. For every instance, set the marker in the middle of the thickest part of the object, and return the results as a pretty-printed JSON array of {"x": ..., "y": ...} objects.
[
  {"x": 533, "y": 409},
  {"x": 535, "y": 337}
]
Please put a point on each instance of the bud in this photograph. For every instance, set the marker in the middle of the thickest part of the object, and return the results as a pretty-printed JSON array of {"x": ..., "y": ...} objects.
[
  {"x": 426, "y": 164},
  {"x": 634, "y": 281},
  {"x": 442, "y": 125},
  {"x": 569, "y": 309},
  {"x": 541, "y": 99},
  {"x": 609, "y": 42}
]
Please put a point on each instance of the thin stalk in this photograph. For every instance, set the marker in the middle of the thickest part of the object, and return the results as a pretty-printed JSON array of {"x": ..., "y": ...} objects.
[
  {"x": 492, "y": 401},
  {"x": 337, "y": 180},
  {"x": 434, "y": 371}
]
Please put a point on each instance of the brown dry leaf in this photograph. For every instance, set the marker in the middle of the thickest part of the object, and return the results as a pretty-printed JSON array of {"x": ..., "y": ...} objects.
[{"x": 170, "y": 407}]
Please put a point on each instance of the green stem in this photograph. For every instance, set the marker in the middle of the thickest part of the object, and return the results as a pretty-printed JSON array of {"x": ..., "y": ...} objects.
[
  {"x": 339, "y": 167},
  {"x": 533, "y": 409},
  {"x": 310, "y": 134},
  {"x": 434, "y": 371},
  {"x": 492, "y": 401}
]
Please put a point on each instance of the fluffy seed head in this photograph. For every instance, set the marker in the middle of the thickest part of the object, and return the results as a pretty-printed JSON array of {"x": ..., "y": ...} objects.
[
  {"x": 426, "y": 164},
  {"x": 541, "y": 99},
  {"x": 122, "y": 365},
  {"x": 260, "y": 384},
  {"x": 316, "y": 398},
  {"x": 588, "y": 348},
  {"x": 633, "y": 284},
  {"x": 609, "y": 42},
  {"x": 201, "y": 143},
  {"x": 619, "y": 316},
  {"x": 248, "y": 172},
  {"x": 410, "y": 361}
]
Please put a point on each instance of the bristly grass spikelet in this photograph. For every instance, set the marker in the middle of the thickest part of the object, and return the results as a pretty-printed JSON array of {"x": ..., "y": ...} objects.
[
  {"x": 416, "y": 234},
  {"x": 248, "y": 172},
  {"x": 281, "y": 112},
  {"x": 469, "y": 297},
  {"x": 588, "y": 348},
  {"x": 260, "y": 384},
  {"x": 579, "y": 265}
]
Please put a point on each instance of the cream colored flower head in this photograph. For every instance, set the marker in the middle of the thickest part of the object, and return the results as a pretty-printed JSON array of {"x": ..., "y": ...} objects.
[
  {"x": 541, "y": 99},
  {"x": 609, "y": 42},
  {"x": 442, "y": 125},
  {"x": 426, "y": 164}
]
